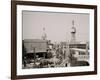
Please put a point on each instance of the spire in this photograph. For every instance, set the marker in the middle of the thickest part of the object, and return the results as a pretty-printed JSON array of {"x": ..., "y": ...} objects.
[
  {"x": 73, "y": 33},
  {"x": 44, "y": 36},
  {"x": 73, "y": 29}
]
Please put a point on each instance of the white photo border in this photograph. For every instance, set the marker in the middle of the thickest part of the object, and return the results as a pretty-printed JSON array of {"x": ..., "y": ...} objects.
[{"x": 21, "y": 71}]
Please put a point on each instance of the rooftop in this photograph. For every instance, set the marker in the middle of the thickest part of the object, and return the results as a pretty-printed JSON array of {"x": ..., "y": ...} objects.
[{"x": 34, "y": 40}]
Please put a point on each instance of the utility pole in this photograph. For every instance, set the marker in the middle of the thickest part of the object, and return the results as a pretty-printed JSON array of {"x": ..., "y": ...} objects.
[
  {"x": 67, "y": 50},
  {"x": 34, "y": 56}
]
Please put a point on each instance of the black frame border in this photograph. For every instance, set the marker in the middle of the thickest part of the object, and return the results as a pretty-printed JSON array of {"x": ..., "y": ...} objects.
[{"x": 14, "y": 4}]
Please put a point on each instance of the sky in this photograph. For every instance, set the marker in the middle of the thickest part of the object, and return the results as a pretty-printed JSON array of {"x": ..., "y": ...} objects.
[{"x": 57, "y": 25}]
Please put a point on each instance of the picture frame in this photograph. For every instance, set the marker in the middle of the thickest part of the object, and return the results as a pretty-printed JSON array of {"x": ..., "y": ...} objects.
[{"x": 18, "y": 11}]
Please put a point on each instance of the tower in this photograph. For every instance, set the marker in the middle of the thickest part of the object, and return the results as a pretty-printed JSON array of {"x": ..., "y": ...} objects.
[
  {"x": 44, "y": 36},
  {"x": 73, "y": 33}
]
